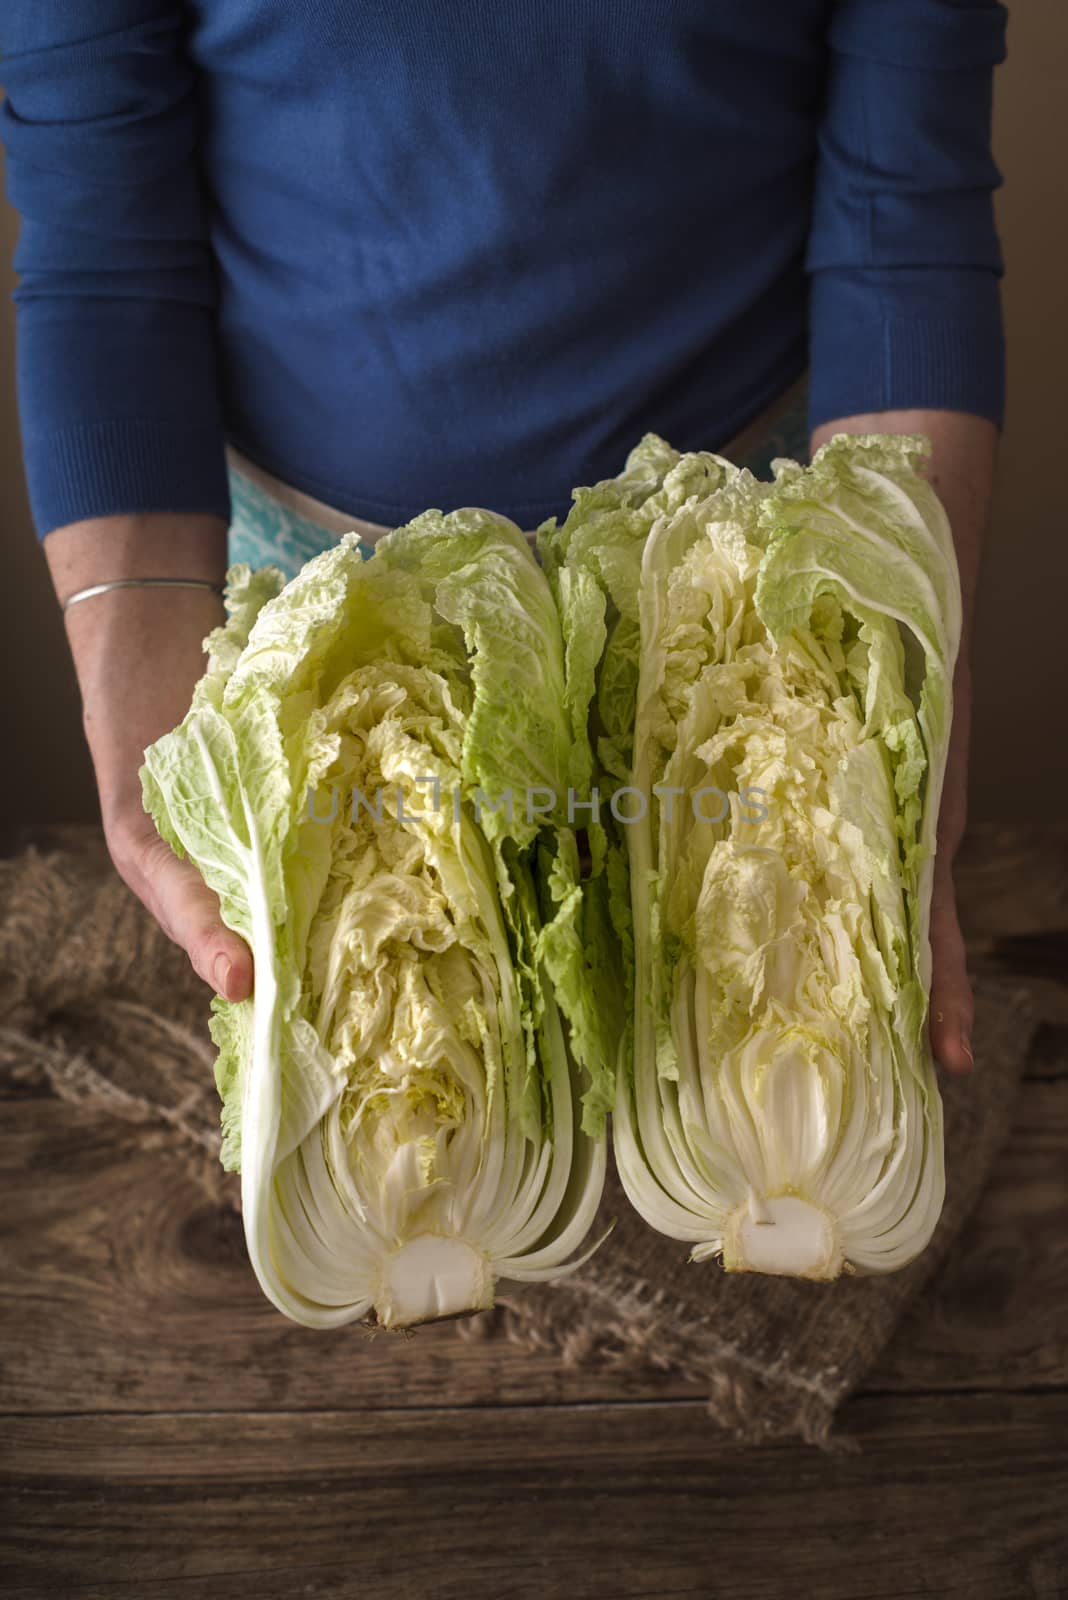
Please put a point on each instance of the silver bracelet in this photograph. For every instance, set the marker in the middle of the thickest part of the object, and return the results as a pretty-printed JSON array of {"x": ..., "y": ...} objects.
[{"x": 141, "y": 583}]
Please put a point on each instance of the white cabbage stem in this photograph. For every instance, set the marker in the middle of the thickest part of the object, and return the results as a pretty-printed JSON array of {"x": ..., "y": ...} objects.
[
  {"x": 432, "y": 1277},
  {"x": 782, "y": 1234}
]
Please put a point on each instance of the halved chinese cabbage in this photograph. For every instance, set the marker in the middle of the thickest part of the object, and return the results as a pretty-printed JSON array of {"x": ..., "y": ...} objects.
[
  {"x": 416, "y": 1092},
  {"x": 776, "y": 686}
]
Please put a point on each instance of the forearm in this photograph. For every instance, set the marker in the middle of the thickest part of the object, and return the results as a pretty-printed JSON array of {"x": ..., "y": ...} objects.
[
  {"x": 137, "y": 652},
  {"x": 158, "y": 544}
]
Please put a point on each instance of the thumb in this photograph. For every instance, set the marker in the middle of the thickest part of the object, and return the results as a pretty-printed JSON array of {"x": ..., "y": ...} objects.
[{"x": 183, "y": 905}]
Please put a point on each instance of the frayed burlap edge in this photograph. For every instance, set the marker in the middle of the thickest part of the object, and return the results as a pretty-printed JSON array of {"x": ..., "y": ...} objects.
[{"x": 750, "y": 1399}]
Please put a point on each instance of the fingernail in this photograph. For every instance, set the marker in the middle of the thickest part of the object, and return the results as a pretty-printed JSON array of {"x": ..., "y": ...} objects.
[
  {"x": 221, "y": 972},
  {"x": 966, "y": 1046}
]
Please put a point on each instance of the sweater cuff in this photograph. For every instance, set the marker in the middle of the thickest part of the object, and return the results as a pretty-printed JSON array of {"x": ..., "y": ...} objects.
[
  {"x": 122, "y": 466},
  {"x": 917, "y": 340},
  {"x": 119, "y": 409}
]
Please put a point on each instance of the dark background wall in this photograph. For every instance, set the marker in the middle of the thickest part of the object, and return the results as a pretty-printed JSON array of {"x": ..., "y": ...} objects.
[{"x": 1020, "y": 741}]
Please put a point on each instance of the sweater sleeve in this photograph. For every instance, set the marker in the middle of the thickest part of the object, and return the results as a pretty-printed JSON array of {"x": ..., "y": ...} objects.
[
  {"x": 903, "y": 254},
  {"x": 118, "y": 392}
]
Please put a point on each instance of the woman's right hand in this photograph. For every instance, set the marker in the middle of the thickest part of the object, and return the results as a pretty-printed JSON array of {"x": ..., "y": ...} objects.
[{"x": 138, "y": 656}]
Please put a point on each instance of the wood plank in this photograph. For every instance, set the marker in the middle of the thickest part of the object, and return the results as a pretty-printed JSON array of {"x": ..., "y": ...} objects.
[
  {"x": 1012, "y": 894},
  {"x": 128, "y": 1289},
  {"x": 1048, "y": 1056},
  {"x": 955, "y": 1496},
  {"x": 324, "y": 1583},
  {"x": 1012, "y": 879},
  {"x": 995, "y": 1316},
  {"x": 1037, "y": 963}
]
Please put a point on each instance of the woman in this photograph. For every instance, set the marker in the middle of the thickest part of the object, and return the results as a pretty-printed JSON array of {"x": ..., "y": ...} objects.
[{"x": 331, "y": 263}]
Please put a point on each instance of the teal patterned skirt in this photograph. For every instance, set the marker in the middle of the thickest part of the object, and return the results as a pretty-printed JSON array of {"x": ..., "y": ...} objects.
[{"x": 265, "y": 532}]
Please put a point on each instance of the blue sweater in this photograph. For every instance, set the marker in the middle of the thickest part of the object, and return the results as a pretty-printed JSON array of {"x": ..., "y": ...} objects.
[{"x": 416, "y": 252}]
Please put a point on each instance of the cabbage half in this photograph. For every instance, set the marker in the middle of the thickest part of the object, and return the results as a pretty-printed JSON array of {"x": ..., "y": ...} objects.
[
  {"x": 416, "y": 1093},
  {"x": 779, "y": 657}
]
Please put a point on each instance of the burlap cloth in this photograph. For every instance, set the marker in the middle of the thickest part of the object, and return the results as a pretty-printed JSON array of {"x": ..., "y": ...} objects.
[{"x": 94, "y": 997}]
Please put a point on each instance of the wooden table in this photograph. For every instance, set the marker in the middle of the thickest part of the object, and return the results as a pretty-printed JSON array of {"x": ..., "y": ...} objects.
[{"x": 167, "y": 1436}]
